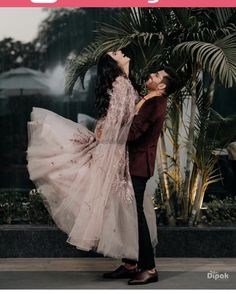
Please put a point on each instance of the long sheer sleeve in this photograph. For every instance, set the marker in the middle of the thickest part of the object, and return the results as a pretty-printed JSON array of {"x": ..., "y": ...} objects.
[
  {"x": 120, "y": 112},
  {"x": 110, "y": 207}
]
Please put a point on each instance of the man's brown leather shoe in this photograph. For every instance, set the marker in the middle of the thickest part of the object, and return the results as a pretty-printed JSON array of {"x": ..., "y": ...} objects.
[
  {"x": 121, "y": 273},
  {"x": 144, "y": 277}
]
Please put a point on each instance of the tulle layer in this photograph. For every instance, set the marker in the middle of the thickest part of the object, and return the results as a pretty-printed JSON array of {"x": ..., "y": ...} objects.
[{"x": 63, "y": 162}]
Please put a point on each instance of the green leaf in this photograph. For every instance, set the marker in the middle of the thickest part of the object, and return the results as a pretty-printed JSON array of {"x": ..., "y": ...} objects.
[{"x": 219, "y": 58}]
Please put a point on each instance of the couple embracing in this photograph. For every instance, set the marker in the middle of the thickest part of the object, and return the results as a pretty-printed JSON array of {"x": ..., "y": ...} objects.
[{"x": 93, "y": 183}]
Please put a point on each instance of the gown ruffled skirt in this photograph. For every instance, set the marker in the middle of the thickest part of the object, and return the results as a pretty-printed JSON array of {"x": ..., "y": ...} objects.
[{"x": 97, "y": 210}]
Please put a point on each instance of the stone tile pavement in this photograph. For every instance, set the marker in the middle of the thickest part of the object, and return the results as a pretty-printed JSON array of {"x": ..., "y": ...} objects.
[{"x": 86, "y": 273}]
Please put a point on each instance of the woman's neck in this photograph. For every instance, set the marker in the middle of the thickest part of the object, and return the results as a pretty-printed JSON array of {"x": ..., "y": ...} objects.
[{"x": 126, "y": 69}]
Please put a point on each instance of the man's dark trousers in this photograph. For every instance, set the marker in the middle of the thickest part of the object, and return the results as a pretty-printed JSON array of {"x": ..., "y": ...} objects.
[
  {"x": 142, "y": 141},
  {"x": 146, "y": 256}
]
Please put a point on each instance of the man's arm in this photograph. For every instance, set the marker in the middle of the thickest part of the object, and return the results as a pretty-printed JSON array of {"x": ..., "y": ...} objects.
[{"x": 148, "y": 113}]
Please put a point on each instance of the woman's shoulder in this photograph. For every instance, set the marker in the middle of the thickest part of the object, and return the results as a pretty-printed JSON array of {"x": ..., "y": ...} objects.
[
  {"x": 122, "y": 82},
  {"x": 121, "y": 79}
]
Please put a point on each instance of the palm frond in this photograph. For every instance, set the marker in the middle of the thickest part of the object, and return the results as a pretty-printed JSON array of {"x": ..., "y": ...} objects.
[
  {"x": 78, "y": 66},
  {"x": 228, "y": 30},
  {"x": 134, "y": 23},
  {"x": 184, "y": 18},
  {"x": 219, "y": 59},
  {"x": 223, "y": 15},
  {"x": 214, "y": 18}
]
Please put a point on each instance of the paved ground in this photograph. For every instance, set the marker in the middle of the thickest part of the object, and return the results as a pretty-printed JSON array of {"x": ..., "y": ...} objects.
[{"x": 86, "y": 273}]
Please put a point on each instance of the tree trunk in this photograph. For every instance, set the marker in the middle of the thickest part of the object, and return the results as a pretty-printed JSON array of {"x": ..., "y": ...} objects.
[
  {"x": 162, "y": 169},
  {"x": 197, "y": 200},
  {"x": 186, "y": 189}
]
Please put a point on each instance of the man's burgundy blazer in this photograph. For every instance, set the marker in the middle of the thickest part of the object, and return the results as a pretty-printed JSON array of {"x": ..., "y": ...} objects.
[{"x": 143, "y": 136}]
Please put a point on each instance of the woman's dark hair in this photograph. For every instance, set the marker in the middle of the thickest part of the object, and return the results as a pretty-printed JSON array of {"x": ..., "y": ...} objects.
[{"x": 107, "y": 71}]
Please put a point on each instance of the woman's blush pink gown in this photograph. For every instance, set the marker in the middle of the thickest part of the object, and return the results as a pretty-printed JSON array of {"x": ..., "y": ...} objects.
[{"x": 84, "y": 181}]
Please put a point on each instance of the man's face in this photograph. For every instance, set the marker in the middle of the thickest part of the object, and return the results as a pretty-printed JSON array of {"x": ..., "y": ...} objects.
[{"x": 155, "y": 82}]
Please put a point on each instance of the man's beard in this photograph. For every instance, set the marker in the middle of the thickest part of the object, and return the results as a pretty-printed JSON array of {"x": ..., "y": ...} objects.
[{"x": 152, "y": 86}]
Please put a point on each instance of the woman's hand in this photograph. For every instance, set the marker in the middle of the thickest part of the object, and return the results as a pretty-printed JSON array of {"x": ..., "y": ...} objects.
[
  {"x": 143, "y": 99},
  {"x": 99, "y": 134},
  {"x": 139, "y": 104}
]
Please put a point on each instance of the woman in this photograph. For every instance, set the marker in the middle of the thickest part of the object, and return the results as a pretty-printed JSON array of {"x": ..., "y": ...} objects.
[{"x": 83, "y": 176}]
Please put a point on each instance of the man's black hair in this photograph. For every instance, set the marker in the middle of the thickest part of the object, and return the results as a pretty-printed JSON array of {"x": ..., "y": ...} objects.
[{"x": 172, "y": 81}]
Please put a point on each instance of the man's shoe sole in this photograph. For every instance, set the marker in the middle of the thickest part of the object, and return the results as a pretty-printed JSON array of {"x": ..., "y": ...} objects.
[
  {"x": 138, "y": 281},
  {"x": 151, "y": 280}
]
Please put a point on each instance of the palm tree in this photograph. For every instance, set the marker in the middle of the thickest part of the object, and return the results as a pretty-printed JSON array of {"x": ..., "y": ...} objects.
[{"x": 201, "y": 45}]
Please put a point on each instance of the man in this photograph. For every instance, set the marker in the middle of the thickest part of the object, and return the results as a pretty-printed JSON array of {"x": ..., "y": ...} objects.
[{"x": 142, "y": 142}]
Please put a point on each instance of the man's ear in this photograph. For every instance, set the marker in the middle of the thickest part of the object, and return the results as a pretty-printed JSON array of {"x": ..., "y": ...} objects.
[{"x": 161, "y": 86}]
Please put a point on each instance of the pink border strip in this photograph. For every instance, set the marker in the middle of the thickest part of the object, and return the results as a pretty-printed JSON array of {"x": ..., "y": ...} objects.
[{"x": 120, "y": 3}]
